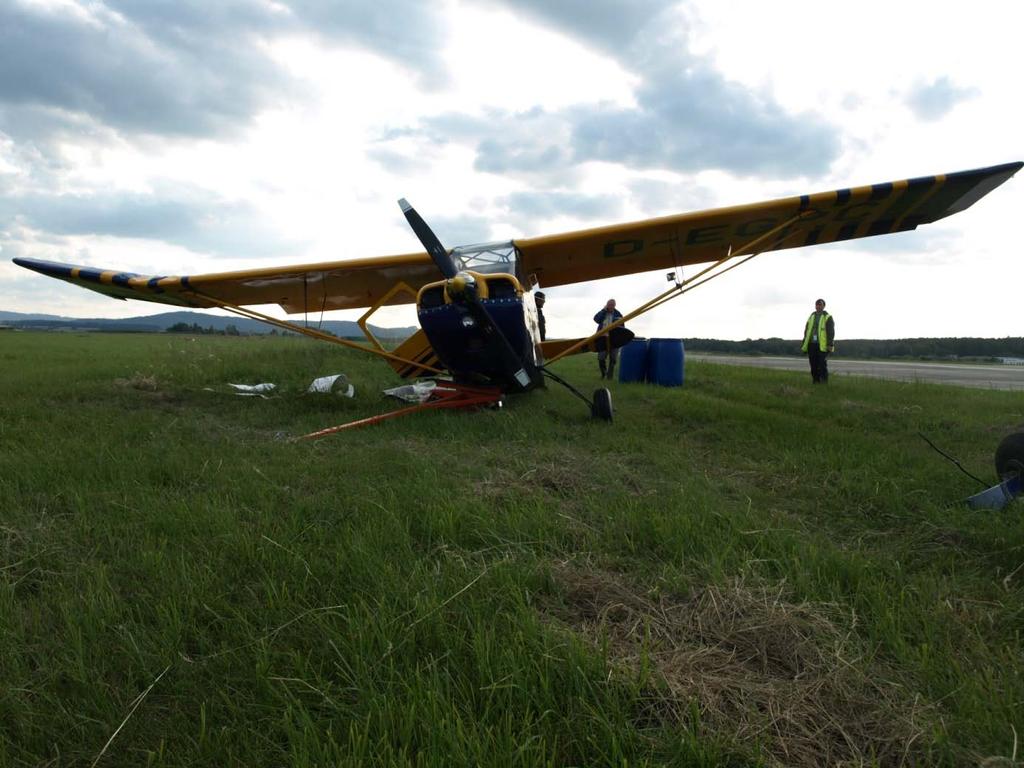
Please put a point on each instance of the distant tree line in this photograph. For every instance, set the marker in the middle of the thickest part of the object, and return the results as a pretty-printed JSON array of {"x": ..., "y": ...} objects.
[
  {"x": 229, "y": 330},
  {"x": 94, "y": 326},
  {"x": 919, "y": 349},
  {"x": 232, "y": 330}
]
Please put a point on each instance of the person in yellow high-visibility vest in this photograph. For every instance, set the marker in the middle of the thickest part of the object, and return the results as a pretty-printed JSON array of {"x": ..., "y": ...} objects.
[{"x": 819, "y": 340}]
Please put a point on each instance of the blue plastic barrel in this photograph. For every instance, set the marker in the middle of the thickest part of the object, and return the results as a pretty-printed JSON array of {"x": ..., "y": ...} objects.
[
  {"x": 665, "y": 362},
  {"x": 633, "y": 362}
]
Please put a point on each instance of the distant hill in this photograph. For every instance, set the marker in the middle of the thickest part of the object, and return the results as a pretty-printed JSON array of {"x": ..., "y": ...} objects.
[{"x": 161, "y": 322}]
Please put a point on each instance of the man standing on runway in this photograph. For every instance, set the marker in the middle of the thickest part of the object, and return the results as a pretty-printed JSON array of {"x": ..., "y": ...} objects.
[{"x": 819, "y": 340}]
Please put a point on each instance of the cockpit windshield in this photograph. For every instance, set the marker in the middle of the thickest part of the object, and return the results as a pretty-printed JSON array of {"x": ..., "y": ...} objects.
[{"x": 487, "y": 258}]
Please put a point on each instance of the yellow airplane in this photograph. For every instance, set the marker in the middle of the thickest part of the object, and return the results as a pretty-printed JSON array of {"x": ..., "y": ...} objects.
[{"x": 479, "y": 320}]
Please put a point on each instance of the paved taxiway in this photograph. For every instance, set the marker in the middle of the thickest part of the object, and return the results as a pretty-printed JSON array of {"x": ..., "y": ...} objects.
[{"x": 980, "y": 376}]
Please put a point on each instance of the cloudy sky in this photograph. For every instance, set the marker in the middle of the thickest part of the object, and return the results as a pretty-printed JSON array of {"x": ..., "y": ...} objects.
[{"x": 179, "y": 136}]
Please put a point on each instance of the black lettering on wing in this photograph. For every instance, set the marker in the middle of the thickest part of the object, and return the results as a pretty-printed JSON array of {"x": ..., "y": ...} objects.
[{"x": 618, "y": 248}]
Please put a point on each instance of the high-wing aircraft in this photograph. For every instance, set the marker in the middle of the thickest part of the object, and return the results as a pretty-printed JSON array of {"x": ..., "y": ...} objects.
[{"x": 475, "y": 303}]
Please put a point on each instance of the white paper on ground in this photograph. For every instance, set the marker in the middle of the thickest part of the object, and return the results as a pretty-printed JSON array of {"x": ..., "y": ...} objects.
[{"x": 254, "y": 389}]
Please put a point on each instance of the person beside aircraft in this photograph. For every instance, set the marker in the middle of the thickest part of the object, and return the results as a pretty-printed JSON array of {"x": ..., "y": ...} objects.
[
  {"x": 819, "y": 340},
  {"x": 606, "y": 359},
  {"x": 538, "y": 298}
]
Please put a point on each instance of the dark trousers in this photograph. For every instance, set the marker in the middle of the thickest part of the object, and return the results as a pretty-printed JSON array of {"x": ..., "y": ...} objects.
[
  {"x": 612, "y": 358},
  {"x": 819, "y": 365}
]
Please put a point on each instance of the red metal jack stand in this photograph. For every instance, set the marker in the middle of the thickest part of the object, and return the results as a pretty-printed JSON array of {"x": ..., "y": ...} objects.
[{"x": 445, "y": 395}]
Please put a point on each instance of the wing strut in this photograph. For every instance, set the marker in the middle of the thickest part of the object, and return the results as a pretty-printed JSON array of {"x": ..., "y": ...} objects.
[
  {"x": 748, "y": 251},
  {"x": 252, "y": 314}
]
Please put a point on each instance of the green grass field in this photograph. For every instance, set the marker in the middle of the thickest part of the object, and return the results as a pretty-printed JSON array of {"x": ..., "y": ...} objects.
[{"x": 745, "y": 571}]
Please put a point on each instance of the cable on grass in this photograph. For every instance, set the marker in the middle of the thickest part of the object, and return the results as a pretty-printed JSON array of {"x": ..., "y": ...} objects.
[{"x": 960, "y": 466}]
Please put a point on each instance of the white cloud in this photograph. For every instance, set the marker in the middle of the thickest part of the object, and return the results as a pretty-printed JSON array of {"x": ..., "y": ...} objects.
[{"x": 934, "y": 100}]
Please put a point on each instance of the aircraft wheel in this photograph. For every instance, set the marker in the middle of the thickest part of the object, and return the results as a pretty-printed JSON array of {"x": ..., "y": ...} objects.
[
  {"x": 1010, "y": 456},
  {"x": 602, "y": 408}
]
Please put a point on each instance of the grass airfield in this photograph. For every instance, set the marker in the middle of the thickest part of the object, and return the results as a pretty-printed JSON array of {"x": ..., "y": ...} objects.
[{"x": 745, "y": 571}]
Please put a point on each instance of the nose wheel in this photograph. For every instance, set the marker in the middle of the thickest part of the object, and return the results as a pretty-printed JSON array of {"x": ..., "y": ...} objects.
[{"x": 602, "y": 406}]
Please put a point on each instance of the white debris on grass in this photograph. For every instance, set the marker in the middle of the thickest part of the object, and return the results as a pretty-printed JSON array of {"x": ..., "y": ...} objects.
[
  {"x": 337, "y": 383},
  {"x": 418, "y": 392},
  {"x": 253, "y": 389}
]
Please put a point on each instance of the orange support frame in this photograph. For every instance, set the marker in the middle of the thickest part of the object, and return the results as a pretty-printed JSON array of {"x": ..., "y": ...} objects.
[
  {"x": 362, "y": 322},
  {"x": 445, "y": 395},
  {"x": 312, "y": 332}
]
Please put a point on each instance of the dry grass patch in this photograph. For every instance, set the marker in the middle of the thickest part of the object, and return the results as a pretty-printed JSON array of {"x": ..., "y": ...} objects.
[
  {"x": 562, "y": 479},
  {"x": 759, "y": 668},
  {"x": 568, "y": 478},
  {"x": 1005, "y": 429},
  {"x": 789, "y": 391},
  {"x": 557, "y": 476},
  {"x": 139, "y": 381}
]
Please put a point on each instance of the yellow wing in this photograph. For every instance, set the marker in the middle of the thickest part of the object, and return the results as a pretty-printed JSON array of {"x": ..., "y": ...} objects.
[
  {"x": 621, "y": 249},
  {"x": 303, "y": 287},
  {"x": 706, "y": 236}
]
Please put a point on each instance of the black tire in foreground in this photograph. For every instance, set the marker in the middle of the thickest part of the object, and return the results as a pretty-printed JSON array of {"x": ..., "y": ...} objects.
[{"x": 1010, "y": 456}]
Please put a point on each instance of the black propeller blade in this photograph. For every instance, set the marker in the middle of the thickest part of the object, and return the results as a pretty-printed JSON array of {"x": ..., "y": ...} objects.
[{"x": 441, "y": 257}]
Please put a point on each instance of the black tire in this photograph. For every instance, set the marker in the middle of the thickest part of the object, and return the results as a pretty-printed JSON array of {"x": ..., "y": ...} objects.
[
  {"x": 1010, "y": 456},
  {"x": 602, "y": 407}
]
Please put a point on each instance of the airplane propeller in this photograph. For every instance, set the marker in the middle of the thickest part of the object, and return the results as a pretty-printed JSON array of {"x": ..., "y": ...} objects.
[
  {"x": 444, "y": 260},
  {"x": 463, "y": 286}
]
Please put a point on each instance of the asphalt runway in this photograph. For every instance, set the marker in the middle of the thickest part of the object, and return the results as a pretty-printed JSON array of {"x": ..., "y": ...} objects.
[{"x": 957, "y": 374}]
